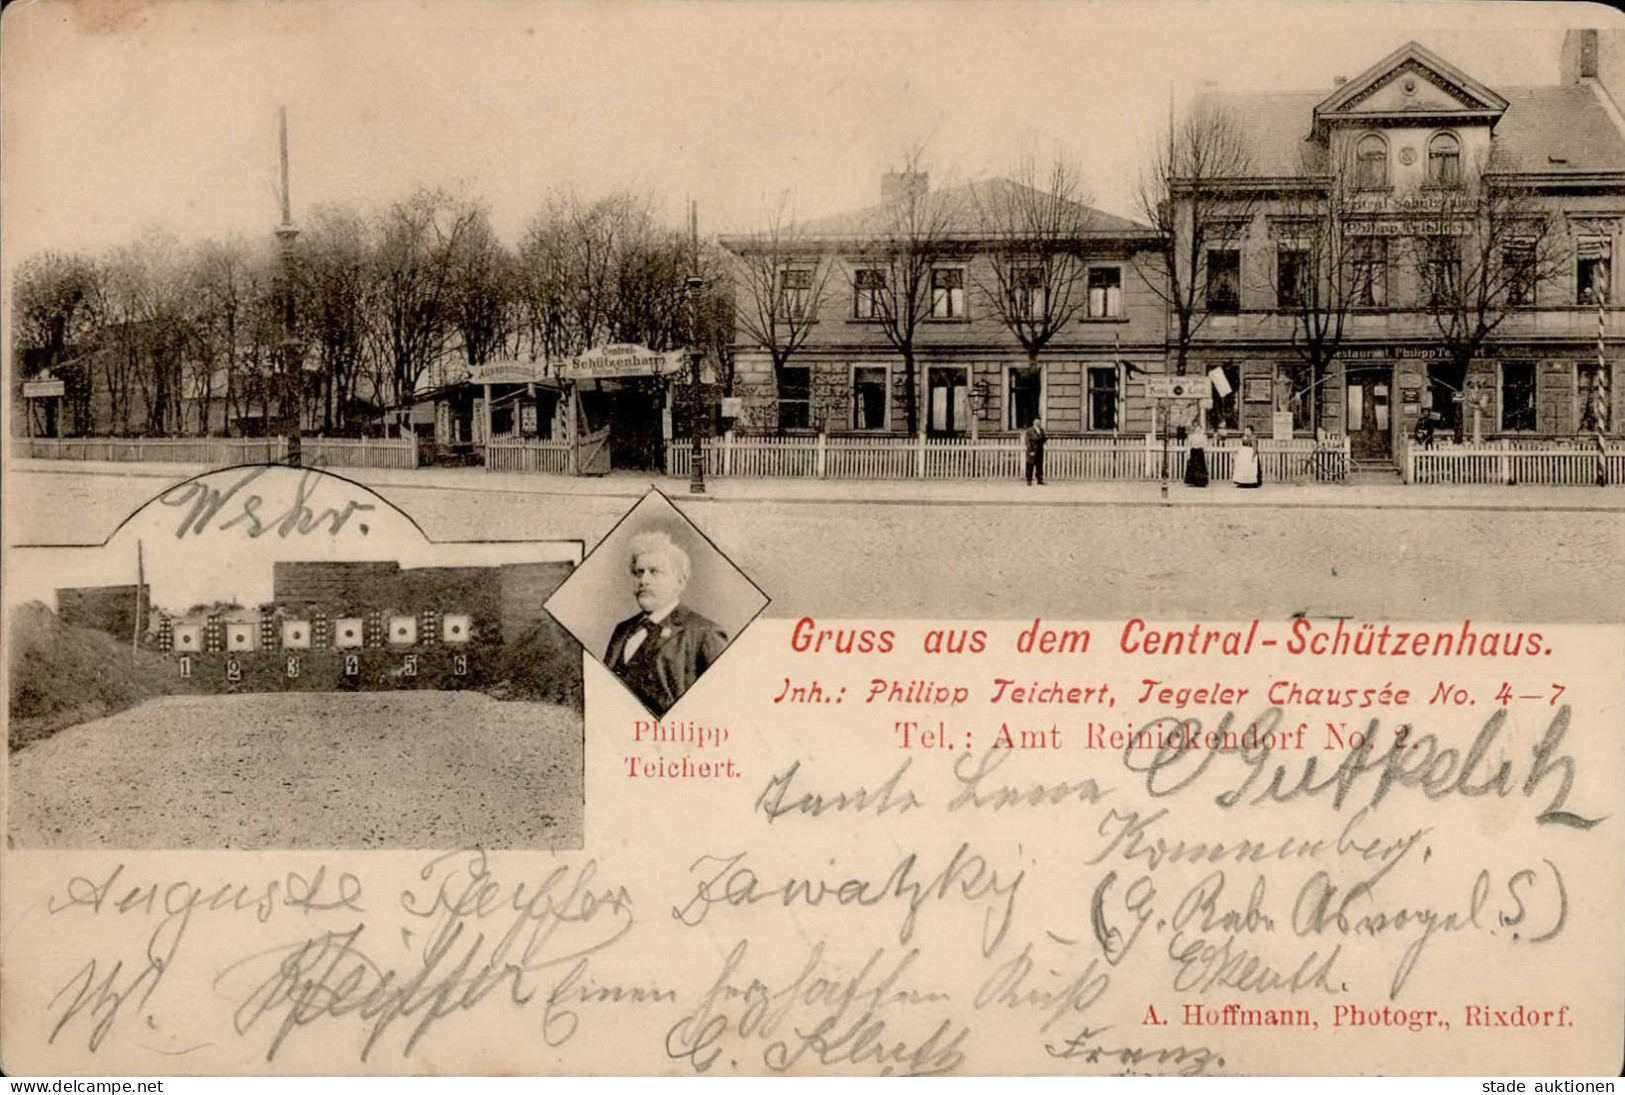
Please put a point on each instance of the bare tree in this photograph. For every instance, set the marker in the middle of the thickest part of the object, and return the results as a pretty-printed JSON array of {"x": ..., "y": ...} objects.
[
  {"x": 1481, "y": 250},
  {"x": 781, "y": 282},
  {"x": 53, "y": 310},
  {"x": 1036, "y": 230},
  {"x": 890, "y": 277},
  {"x": 411, "y": 311},
  {"x": 335, "y": 269},
  {"x": 1328, "y": 262},
  {"x": 483, "y": 292},
  {"x": 1194, "y": 194}
]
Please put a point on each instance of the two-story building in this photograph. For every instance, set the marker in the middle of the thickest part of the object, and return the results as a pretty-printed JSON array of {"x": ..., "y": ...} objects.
[
  {"x": 973, "y": 373},
  {"x": 1466, "y": 282}
]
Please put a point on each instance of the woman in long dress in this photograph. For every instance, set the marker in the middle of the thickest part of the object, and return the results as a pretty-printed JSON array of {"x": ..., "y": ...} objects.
[
  {"x": 1248, "y": 471},
  {"x": 1196, "y": 462}
]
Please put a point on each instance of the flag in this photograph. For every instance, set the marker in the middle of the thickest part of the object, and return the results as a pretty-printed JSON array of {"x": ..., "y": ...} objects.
[
  {"x": 1220, "y": 384},
  {"x": 1129, "y": 368}
]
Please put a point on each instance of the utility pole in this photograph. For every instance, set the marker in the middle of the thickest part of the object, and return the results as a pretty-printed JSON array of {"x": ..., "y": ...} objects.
[
  {"x": 292, "y": 395},
  {"x": 696, "y": 354}
]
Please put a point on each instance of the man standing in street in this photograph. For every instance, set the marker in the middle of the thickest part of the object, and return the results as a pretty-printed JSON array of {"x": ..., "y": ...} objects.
[{"x": 1034, "y": 437}]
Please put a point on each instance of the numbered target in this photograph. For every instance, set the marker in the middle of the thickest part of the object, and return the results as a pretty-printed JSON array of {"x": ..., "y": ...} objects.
[
  {"x": 293, "y": 668},
  {"x": 352, "y": 665},
  {"x": 234, "y": 670},
  {"x": 403, "y": 630},
  {"x": 188, "y": 638},
  {"x": 295, "y": 636},
  {"x": 409, "y": 667},
  {"x": 186, "y": 667},
  {"x": 459, "y": 664},
  {"x": 240, "y": 636},
  {"x": 349, "y": 633},
  {"x": 454, "y": 628}
]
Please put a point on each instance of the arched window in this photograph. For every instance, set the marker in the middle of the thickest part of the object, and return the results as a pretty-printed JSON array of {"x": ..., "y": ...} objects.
[
  {"x": 1444, "y": 160},
  {"x": 1371, "y": 161}
]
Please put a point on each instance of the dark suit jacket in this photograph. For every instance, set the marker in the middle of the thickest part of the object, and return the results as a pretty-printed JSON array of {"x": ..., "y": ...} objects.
[{"x": 669, "y": 662}]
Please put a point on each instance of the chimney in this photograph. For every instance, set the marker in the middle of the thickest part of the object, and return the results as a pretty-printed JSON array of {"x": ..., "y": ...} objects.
[
  {"x": 1339, "y": 81},
  {"x": 1579, "y": 56},
  {"x": 896, "y": 186}
]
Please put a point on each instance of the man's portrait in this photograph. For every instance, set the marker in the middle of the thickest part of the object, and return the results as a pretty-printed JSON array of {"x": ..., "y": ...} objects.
[
  {"x": 657, "y": 602},
  {"x": 663, "y": 649}
]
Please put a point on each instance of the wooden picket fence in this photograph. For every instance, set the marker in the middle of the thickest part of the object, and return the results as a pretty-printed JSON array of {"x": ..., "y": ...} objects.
[
  {"x": 215, "y": 452},
  {"x": 552, "y": 457},
  {"x": 1544, "y": 463},
  {"x": 359, "y": 452},
  {"x": 1065, "y": 458},
  {"x": 222, "y": 452}
]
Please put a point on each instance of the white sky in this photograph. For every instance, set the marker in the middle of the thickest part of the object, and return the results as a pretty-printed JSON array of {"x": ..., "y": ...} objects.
[{"x": 119, "y": 116}]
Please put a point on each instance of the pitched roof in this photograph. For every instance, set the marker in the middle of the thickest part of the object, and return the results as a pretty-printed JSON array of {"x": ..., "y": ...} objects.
[
  {"x": 1550, "y": 130},
  {"x": 959, "y": 206}
]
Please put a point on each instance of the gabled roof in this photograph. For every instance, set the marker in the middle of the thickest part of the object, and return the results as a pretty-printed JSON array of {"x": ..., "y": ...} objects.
[
  {"x": 1544, "y": 130},
  {"x": 959, "y": 206},
  {"x": 1430, "y": 85}
]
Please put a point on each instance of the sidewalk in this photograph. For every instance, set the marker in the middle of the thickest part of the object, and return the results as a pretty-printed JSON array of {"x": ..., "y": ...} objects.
[{"x": 973, "y": 492}]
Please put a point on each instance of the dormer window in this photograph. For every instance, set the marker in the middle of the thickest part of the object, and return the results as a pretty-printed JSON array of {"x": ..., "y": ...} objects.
[
  {"x": 1444, "y": 160},
  {"x": 1371, "y": 162}
]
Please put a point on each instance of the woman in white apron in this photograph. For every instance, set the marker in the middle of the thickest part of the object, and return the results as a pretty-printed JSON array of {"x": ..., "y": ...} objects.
[{"x": 1248, "y": 471}]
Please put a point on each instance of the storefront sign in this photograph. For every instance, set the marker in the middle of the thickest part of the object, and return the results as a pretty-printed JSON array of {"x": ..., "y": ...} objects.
[
  {"x": 1383, "y": 353},
  {"x": 621, "y": 359},
  {"x": 1281, "y": 426},
  {"x": 1176, "y": 387},
  {"x": 43, "y": 389},
  {"x": 1406, "y": 228},
  {"x": 1258, "y": 389},
  {"x": 509, "y": 372}
]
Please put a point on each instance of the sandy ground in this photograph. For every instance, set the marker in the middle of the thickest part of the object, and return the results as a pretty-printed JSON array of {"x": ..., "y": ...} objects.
[{"x": 316, "y": 770}]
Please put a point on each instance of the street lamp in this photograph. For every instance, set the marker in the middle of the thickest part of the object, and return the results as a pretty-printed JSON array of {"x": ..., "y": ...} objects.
[
  {"x": 981, "y": 393},
  {"x": 696, "y": 467}
]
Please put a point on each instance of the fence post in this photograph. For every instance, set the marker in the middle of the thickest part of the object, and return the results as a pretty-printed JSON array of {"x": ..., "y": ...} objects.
[
  {"x": 820, "y": 458},
  {"x": 919, "y": 456},
  {"x": 727, "y": 452},
  {"x": 1501, "y": 469}
]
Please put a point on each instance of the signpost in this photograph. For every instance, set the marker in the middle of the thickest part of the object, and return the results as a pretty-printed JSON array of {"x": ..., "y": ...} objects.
[{"x": 1167, "y": 390}]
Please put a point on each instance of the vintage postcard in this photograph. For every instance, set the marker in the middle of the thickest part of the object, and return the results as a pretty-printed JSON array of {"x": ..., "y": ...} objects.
[{"x": 835, "y": 539}]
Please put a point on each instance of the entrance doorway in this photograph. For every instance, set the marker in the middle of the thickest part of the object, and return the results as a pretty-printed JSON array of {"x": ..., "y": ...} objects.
[
  {"x": 1366, "y": 399},
  {"x": 631, "y": 412}
]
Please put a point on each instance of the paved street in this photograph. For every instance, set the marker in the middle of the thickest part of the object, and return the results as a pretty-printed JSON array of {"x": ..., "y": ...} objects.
[{"x": 999, "y": 549}]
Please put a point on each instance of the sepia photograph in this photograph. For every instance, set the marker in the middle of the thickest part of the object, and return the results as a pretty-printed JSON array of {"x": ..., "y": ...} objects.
[
  {"x": 825, "y": 538},
  {"x": 265, "y": 657}
]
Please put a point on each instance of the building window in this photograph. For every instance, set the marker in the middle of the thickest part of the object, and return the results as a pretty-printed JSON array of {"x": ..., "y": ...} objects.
[
  {"x": 1025, "y": 402},
  {"x": 1292, "y": 393},
  {"x": 948, "y": 293},
  {"x": 1441, "y": 272},
  {"x": 1291, "y": 277},
  {"x": 795, "y": 397},
  {"x": 795, "y": 291},
  {"x": 1593, "y": 255},
  {"x": 1369, "y": 267},
  {"x": 1444, "y": 161},
  {"x": 868, "y": 397},
  {"x": 1224, "y": 281},
  {"x": 1518, "y": 262},
  {"x": 1518, "y": 395},
  {"x": 1224, "y": 413},
  {"x": 1029, "y": 295},
  {"x": 869, "y": 294},
  {"x": 1371, "y": 162},
  {"x": 947, "y": 400},
  {"x": 1102, "y": 405},
  {"x": 1105, "y": 292}
]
